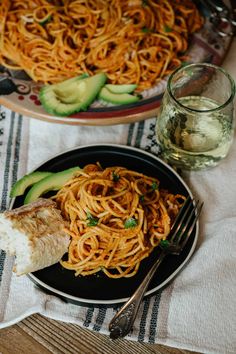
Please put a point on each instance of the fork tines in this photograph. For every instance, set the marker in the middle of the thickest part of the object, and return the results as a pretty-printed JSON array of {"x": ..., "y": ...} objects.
[{"x": 185, "y": 222}]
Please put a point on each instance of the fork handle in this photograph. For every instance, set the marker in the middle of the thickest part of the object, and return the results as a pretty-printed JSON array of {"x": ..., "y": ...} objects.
[{"x": 122, "y": 322}]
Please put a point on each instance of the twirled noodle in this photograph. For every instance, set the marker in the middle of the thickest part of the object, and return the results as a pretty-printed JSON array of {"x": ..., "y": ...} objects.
[
  {"x": 115, "y": 219},
  {"x": 132, "y": 41}
]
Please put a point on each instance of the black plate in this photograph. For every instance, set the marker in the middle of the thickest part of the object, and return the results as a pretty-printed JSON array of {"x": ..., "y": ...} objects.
[{"x": 99, "y": 289}]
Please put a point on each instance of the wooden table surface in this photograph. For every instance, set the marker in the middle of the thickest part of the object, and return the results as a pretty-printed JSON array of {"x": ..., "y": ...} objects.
[{"x": 39, "y": 335}]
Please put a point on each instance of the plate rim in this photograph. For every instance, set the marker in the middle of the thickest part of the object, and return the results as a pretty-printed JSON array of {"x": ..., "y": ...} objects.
[
  {"x": 127, "y": 116},
  {"x": 112, "y": 302}
]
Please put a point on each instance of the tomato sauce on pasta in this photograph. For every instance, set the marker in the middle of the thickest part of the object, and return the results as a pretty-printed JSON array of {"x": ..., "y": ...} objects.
[
  {"x": 132, "y": 41},
  {"x": 116, "y": 217}
]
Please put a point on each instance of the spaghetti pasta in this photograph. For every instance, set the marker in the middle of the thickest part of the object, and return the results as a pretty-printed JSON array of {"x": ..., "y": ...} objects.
[
  {"x": 115, "y": 219},
  {"x": 132, "y": 41}
]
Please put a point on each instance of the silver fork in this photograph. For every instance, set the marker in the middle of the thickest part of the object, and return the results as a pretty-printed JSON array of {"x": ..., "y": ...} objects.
[{"x": 122, "y": 322}]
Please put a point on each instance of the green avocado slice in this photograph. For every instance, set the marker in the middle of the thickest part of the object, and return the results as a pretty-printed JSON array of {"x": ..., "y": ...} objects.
[
  {"x": 72, "y": 95},
  {"x": 26, "y": 181},
  {"x": 126, "y": 88},
  {"x": 53, "y": 182},
  {"x": 116, "y": 98}
]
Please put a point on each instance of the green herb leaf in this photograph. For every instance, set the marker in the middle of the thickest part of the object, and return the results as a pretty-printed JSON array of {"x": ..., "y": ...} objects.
[
  {"x": 167, "y": 29},
  {"x": 146, "y": 30},
  {"x": 44, "y": 22},
  {"x": 141, "y": 198},
  {"x": 115, "y": 177},
  {"x": 184, "y": 63},
  {"x": 144, "y": 3},
  {"x": 154, "y": 186},
  {"x": 91, "y": 220},
  {"x": 131, "y": 222},
  {"x": 164, "y": 244}
]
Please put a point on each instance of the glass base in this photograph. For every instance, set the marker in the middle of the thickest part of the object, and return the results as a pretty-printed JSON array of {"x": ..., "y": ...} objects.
[{"x": 189, "y": 162}]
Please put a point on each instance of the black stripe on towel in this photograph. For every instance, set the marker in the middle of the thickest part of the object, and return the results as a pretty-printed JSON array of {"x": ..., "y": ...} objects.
[
  {"x": 130, "y": 134},
  {"x": 100, "y": 319},
  {"x": 7, "y": 164},
  {"x": 153, "y": 322},
  {"x": 89, "y": 316},
  {"x": 2, "y": 260},
  {"x": 17, "y": 149},
  {"x": 143, "y": 321},
  {"x": 6, "y": 181},
  {"x": 139, "y": 134}
]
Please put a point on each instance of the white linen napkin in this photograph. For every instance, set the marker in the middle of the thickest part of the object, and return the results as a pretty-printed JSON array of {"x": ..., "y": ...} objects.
[{"x": 197, "y": 311}]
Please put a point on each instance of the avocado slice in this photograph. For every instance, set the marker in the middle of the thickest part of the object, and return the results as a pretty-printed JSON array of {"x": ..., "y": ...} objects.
[
  {"x": 126, "y": 88},
  {"x": 72, "y": 95},
  {"x": 26, "y": 181},
  {"x": 53, "y": 182},
  {"x": 117, "y": 98}
]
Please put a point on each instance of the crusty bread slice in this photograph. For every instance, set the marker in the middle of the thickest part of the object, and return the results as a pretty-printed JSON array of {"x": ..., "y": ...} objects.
[{"x": 34, "y": 234}]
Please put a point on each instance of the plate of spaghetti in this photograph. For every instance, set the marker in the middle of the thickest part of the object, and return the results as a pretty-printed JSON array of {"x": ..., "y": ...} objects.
[
  {"x": 119, "y": 206},
  {"x": 132, "y": 41}
]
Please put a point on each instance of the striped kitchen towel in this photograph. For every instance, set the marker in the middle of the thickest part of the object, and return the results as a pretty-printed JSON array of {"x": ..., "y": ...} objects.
[{"x": 197, "y": 310}]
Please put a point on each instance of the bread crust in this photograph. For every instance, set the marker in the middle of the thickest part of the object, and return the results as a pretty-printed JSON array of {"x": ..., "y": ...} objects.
[
  {"x": 35, "y": 234},
  {"x": 29, "y": 209}
]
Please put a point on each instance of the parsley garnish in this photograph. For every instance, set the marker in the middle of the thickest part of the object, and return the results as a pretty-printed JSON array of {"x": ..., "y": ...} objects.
[
  {"x": 154, "y": 186},
  {"x": 141, "y": 198},
  {"x": 131, "y": 222},
  {"x": 167, "y": 29},
  {"x": 184, "y": 63},
  {"x": 164, "y": 244},
  {"x": 44, "y": 22},
  {"x": 91, "y": 220},
  {"x": 115, "y": 177},
  {"x": 146, "y": 30}
]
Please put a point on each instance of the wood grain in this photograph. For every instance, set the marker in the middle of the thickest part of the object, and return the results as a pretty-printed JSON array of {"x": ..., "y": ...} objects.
[
  {"x": 15, "y": 340},
  {"x": 39, "y": 335}
]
